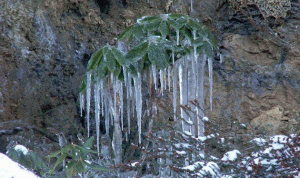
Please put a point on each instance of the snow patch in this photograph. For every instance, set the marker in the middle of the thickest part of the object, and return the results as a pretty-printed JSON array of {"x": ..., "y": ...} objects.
[
  {"x": 21, "y": 148},
  {"x": 9, "y": 168},
  {"x": 231, "y": 155}
]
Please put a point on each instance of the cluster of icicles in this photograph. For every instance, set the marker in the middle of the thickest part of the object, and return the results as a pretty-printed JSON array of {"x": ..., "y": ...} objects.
[{"x": 118, "y": 101}]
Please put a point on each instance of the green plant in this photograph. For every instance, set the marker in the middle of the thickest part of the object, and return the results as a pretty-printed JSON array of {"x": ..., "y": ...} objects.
[
  {"x": 77, "y": 159},
  {"x": 154, "y": 39},
  {"x": 154, "y": 45}
]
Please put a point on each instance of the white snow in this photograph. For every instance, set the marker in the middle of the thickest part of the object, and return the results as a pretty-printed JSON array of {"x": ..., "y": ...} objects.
[
  {"x": 259, "y": 141},
  {"x": 181, "y": 152},
  {"x": 21, "y": 148},
  {"x": 231, "y": 155},
  {"x": 189, "y": 167},
  {"x": 134, "y": 164},
  {"x": 205, "y": 119},
  {"x": 211, "y": 169},
  {"x": 188, "y": 133},
  {"x": 9, "y": 168}
]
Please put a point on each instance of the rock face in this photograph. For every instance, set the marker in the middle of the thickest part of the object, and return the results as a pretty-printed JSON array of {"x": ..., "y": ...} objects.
[
  {"x": 43, "y": 54},
  {"x": 45, "y": 47},
  {"x": 272, "y": 121}
]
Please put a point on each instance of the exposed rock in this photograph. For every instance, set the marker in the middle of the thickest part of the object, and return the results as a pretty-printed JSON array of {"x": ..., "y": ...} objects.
[
  {"x": 272, "y": 122},
  {"x": 45, "y": 47}
]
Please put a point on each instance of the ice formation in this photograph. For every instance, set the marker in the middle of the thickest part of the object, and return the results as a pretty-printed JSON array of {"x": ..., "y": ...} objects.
[{"x": 117, "y": 101}]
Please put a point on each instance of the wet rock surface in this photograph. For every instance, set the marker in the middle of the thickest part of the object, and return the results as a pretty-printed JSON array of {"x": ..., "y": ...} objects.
[{"x": 45, "y": 47}]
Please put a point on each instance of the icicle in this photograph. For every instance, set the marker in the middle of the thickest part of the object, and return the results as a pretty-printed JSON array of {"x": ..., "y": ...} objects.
[
  {"x": 128, "y": 90},
  {"x": 154, "y": 76},
  {"x": 121, "y": 104},
  {"x": 210, "y": 72},
  {"x": 177, "y": 37},
  {"x": 122, "y": 46},
  {"x": 97, "y": 111},
  {"x": 194, "y": 46},
  {"x": 106, "y": 108},
  {"x": 115, "y": 88},
  {"x": 201, "y": 82},
  {"x": 221, "y": 58},
  {"x": 128, "y": 114},
  {"x": 102, "y": 97},
  {"x": 125, "y": 75},
  {"x": 130, "y": 84},
  {"x": 81, "y": 99},
  {"x": 161, "y": 74},
  {"x": 88, "y": 99},
  {"x": 175, "y": 78},
  {"x": 181, "y": 88},
  {"x": 139, "y": 102},
  {"x": 169, "y": 77},
  {"x": 165, "y": 79}
]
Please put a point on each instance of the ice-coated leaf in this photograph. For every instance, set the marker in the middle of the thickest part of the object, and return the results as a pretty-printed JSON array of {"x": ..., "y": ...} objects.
[
  {"x": 149, "y": 19},
  {"x": 164, "y": 29},
  {"x": 194, "y": 24},
  {"x": 97, "y": 167},
  {"x": 147, "y": 62},
  {"x": 53, "y": 155},
  {"x": 83, "y": 85},
  {"x": 132, "y": 70},
  {"x": 102, "y": 69},
  {"x": 105, "y": 49},
  {"x": 95, "y": 59},
  {"x": 138, "y": 32},
  {"x": 119, "y": 56},
  {"x": 127, "y": 33},
  {"x": 58, "y": 162},
  {"x": 188, "y": 34},
  {"x": 157, "y": 55},
  {"x": 152, "y": 26},
  {"x": 206, "y": 48},
  {"x": 111, "y": 61},
  {"x": 89, "y": 143},
  {"x": 212, "y": 39},
  {"x": 176, "y": 16},
  {"x": 178, "y": 24},
  {"x": 137, "y": 52},
  {"x": 198, "y": 42},
  {"x": 84, "y": 151},
  {"x": 117, "y": 70}
]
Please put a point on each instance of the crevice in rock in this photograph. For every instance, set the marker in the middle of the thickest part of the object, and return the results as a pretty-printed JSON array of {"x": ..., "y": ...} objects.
[{"x": 104, "y": 5}]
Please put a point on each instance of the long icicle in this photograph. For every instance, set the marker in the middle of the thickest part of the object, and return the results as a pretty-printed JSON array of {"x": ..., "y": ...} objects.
[
  {"x": 138, "y": 98},
  {"x": 106, "y": 105},
  {"x": 181, "y": 87},
  {"x": 175, "y": 79},
  {"x": 210, "y": 72},
  {"x": 121, "y": 104},
  {"x": 128, "y": 90},
  {"x": 154, "y": 76},
  {"x": 97, "y": 112},
  {"x": 169, "y": 77},
  {"x": 102, "y": 97},
  {"x": 81, "y": 99},
  {"x": 88, "y": 100},
  {"x": 161, "y": 75}
]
